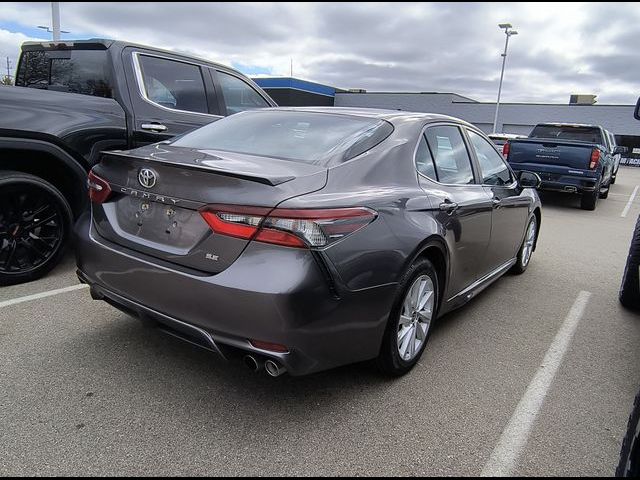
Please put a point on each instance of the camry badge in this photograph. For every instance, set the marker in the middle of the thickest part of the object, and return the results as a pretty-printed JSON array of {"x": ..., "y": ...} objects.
[{"x": 147, "y": 177}]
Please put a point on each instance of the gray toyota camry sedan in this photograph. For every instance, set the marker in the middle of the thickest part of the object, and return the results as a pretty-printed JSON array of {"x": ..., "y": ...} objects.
[{"x": 307, "y": 238}]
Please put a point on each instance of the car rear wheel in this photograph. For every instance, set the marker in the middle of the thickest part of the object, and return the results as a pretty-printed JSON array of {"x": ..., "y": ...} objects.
[
  {"x": 410, "y": 321},
  {"x": 526, "y": 249},
  {"x": 629, "y": 463},
  {"x": 35, "y": 223},
  {"x": 630, "y": 289}
]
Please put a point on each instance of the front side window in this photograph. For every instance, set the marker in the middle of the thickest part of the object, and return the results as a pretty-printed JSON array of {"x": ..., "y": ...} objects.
[
  {"x": 239, "y": 95},
  {"x": 173, "y": 84},
  {"x": 451, "y": 159},
  {"x": 76, "y": 71},
  {"x": 492, "y": 168}
]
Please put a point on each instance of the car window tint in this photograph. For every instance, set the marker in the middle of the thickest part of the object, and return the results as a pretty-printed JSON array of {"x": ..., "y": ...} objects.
[
  {"x": 174, "y": 84},
  {"x": 452, "y": 163},
  {"x": 493, "y": 169},
  {"x": 424, "y": 160},
  {"x": 239, "y": 95}
]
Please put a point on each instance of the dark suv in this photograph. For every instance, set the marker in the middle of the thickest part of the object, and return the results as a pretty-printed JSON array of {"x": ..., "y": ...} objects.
[{"x": 83, "y": 97}]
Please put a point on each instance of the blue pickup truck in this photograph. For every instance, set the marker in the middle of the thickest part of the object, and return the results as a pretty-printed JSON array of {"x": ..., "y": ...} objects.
[{"x": 568, "y": 158}]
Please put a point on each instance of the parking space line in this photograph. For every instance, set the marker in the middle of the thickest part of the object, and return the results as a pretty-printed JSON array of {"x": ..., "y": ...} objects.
[
  {"x": 37, "y": 296},
  {"x": 628, "y": 206},
  {"x": 516, "y": 434}
]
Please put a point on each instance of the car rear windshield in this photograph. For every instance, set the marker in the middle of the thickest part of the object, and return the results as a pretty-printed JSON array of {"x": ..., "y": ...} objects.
[
  {"x": 568, "y": 132},
  {"x": 74, "y": 71},
  {"x": 308, "y": 137}
]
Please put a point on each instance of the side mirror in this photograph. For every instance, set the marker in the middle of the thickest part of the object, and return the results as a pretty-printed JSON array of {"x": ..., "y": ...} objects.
[
  {"x": 636, "y": 112},
  {"x": 529, "y": 179},
  {"x": 620, "y": 149}
]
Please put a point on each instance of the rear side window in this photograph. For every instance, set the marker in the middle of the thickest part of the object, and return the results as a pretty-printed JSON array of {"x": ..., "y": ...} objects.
[
  {"x": 568, "y": 132},
  {"x": 173, "y": 84},
  {"x": 239, "y": 95},
  {"x": 424, "y": 160},
  {"x": 451, "y": 159},
  {"x": 493, "y": 169},
  {"x": 76, "y": 71},
  {"x": 307, "y": 137}
]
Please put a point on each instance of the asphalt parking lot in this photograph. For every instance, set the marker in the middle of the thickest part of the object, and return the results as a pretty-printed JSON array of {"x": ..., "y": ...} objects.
[{"x": 85, "y": 390}]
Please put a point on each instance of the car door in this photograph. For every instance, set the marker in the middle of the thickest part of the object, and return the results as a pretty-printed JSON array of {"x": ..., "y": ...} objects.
[
  {"x": 510, "y": 210},
  {"x": 462, "y": 205},
  {"x": 169, "y": 95}
]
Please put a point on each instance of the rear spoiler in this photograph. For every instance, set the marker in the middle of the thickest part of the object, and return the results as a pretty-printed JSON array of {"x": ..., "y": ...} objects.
[
  {"x": 93, "y": 44},
  {"x": 266, "y": 179}
]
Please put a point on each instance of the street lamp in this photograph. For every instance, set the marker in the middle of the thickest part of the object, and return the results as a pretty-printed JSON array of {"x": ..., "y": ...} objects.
[
  {"x": 55, "y": 21},
  {"x": 508, "y": 32},
  {"x": 49, "y": 29}
]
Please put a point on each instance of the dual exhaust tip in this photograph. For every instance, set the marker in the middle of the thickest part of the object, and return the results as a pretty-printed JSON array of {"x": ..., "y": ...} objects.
[{"x": 273, "y": 368}]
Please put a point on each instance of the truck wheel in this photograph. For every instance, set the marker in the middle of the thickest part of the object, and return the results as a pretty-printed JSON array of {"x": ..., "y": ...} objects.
[
  {"x": 613, "y": 179},
  {"x": 589, "y": 199},
  {"x": 35, "y": 224},
  {"x": 629, "y": 464},
  {"x": 605, "y": 194},
  {"x": 630, "y": 289}
]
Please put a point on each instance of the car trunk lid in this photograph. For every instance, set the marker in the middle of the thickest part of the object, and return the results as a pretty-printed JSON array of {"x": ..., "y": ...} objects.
[{"x": 162, "y": 218}]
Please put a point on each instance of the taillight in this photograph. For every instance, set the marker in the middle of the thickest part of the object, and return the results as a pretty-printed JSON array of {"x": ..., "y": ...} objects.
[
  {"x": 595, "y": 158},
  {"x": 505, "y": 150},
  {"x": 99, "y": 189},
  {"x": 288, "y": 227}
]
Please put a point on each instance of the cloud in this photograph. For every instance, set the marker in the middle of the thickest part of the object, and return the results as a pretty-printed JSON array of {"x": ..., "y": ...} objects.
[{"x": 561, "y": 48}]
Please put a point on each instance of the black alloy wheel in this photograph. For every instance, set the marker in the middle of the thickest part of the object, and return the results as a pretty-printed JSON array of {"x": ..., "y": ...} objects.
[{"x": 35, "y": 223}]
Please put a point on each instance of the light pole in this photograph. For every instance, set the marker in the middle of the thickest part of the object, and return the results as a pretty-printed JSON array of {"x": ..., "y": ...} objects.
[
  {"x": 55, "y": 21},
  {"x": 508, "y": 32}
]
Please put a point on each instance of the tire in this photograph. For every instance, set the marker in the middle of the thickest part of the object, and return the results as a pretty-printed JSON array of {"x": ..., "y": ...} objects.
[
  {"x": 390, "y": 361},
  {"x": 589, "y": 199},
  {"x": 605, "y": 194},
  {"x": 629, "y": 464},
  {"x": 613, "y": 179},
  {"x": 630, "y": 288},
  {"x": 35, "y": 226},
  {"x": 526, "y": 249}
]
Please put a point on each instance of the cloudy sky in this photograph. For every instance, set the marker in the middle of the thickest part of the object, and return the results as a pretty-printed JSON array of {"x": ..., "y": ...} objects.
[{"x": 449, "y": 47}]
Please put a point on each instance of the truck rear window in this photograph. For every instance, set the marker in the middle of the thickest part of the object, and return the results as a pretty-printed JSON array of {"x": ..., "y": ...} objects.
[
  {"x": 568, "y": 132},
  {"x": 306, "y": 137},
  {"x": 74, "y": 71}
]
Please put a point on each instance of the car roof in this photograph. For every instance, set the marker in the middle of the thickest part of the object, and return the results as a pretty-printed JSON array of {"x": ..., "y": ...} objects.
[{"x": 378, "y": 113}]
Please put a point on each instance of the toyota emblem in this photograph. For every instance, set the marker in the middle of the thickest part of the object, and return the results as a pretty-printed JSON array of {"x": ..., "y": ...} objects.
[{"x": 147, "y": 177}]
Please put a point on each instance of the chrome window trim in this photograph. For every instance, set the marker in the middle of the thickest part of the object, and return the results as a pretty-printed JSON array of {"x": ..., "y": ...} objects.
[
  {"x": 415, "y": 151},
  {"x": 137, "y": 69}
]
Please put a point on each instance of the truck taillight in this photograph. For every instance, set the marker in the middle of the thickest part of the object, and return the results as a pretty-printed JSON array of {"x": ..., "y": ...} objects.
[
  {"x": 288, "y": 227},
  {"x": 595, "y": 158},
  {"x": 505, "y": 150},
  {"x": 99, "y": 189}
]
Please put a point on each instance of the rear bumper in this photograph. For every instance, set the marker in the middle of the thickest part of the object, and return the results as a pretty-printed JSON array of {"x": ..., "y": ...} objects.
[
  {"x": 565, "y": 183},
  {"x": 270, "y": 293}
]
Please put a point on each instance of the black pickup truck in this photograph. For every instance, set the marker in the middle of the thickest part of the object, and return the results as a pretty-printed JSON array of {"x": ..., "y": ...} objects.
[
  {"x": 569, "y": 158},
  {"x": 83, "y": 97}
]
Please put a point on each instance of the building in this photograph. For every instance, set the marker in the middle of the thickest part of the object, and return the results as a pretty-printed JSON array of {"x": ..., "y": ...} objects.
[{"x": 517, "y": 118}]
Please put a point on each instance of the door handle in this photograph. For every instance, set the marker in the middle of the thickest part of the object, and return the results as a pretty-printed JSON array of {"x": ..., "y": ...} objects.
[
  {"x": 449, "y": 207},
  {"x": 154, "y": 127}
]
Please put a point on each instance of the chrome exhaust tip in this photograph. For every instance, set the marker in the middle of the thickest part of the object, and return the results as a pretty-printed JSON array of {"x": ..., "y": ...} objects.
[
  {"x": 251, "y": 363},
  {"x": 273, "y": 369}
]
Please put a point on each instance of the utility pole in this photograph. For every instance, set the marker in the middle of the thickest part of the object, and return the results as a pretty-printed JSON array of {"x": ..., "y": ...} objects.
[
  {"x": 7, "y": 79},
  {"x": 291, "y": 71}
]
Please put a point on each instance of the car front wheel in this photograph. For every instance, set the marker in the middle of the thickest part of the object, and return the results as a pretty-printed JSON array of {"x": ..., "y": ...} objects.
[
  {"x": 35, "y": 223},
  {"x": 410, "y": 321},
  {"x": 526, "y": 249}
]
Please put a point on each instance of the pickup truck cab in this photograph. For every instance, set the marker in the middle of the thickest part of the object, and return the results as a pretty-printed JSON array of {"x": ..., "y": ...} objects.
[
  {"x": 568, "y": 158},
  {"x": 74, "y": 99}
]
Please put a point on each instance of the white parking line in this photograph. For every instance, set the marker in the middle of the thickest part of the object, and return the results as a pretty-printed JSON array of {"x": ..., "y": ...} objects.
[
  {"x": 36, "y": 296},
  {"x": 628, "y": 206},
  {"x": 516, "y": 434}
]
